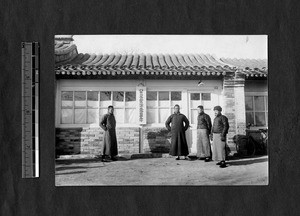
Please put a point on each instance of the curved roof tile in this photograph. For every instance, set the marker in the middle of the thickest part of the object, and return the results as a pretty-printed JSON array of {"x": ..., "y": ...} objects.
[{"x": 187, "y": 64}]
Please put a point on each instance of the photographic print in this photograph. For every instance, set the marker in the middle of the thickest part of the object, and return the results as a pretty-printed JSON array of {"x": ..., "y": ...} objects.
[{"x": 161, "y": 110}]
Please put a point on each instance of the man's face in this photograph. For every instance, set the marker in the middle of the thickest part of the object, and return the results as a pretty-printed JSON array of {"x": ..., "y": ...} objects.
[
  {"x": 111, "y": 110},
  {"x": 200, "y": 110},
  {"x": 217, "y": 112},
  {"x": 176, "y": 109}
]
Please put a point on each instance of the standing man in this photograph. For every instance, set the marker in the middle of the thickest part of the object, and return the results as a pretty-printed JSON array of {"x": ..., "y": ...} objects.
[
  {"x": 179, "y": 124},
  {"x": 108, "y": 124},
  {"x": 219, "y": 131},
  {"x": 203, "y": 131}
]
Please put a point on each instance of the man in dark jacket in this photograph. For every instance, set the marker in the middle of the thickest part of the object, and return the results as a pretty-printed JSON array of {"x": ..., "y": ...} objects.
[
  {"x": 219, "y": 131},
  {"x": 179, "y": 124},
  {"x": 203, "y": 131},
  {"x": 108, "y": 124}
]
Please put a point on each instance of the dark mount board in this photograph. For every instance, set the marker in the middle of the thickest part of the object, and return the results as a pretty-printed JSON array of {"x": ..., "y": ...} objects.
[{"x": 41, "y": 20}]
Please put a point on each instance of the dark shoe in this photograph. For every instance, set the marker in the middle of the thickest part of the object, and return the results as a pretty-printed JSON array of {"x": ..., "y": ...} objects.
[
  {"x": 104, "y": 160},
  {"x": 207, "y": 159},
  {"x": 219, "y": 163},
  {"x": 223, "y": 164},
  {"x": 114, "y": 159},
  {"x": 177, "y": 158},
  {"x": 187, "y": 158}
]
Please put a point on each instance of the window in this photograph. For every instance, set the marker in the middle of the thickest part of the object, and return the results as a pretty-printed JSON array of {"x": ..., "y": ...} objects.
[
  {"x": 257, "y": 110},
  {"x": 197, "y": 99},
  {"x": 87, "y": 107},
  {"x": 160, "y": 105}
]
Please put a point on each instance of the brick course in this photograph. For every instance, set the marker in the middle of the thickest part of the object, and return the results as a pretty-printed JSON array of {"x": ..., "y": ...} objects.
[
  {"x": 234, "y": 102},
  {"x": 88, "y": 140},
  {"x": 156, "y": 140}
]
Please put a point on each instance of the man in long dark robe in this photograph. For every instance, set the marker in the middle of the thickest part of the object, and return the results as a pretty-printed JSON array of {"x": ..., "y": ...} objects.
[
  {"x": 179, "y": 124},
  {"x": 108, "y": 124},
  {"x": 219, "y": 130},
  {"x": 203, "y": 131}
]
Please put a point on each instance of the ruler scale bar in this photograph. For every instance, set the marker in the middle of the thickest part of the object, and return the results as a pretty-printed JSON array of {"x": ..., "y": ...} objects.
[{"x": 30, "y": 109}]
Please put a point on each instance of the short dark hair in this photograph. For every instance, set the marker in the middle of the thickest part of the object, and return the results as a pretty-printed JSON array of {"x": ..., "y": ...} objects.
[
  {"x": 110, "y": 106},
  {"x": 201, "y": 107},
  {"x": 218, "y": 108},
  {"x": 176, "y": 105}
]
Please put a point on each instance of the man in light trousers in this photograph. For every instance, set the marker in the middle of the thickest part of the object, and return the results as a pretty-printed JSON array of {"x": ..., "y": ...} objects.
[
  {"x": 219, "y": 131},
  {"x": 203, "y": 131}
]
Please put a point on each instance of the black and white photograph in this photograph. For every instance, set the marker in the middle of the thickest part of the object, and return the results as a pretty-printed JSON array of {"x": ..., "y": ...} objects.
[{"x": 161, "y": 110}]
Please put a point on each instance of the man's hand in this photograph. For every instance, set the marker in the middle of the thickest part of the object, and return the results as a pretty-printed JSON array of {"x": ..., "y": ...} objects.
[{"x": 211, "y": 137}]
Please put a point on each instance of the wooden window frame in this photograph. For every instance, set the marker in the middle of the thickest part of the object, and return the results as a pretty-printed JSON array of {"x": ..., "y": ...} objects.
[{"x": 266, "y": 111}]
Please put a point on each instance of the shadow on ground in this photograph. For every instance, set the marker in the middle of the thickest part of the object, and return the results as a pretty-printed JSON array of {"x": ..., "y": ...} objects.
[
  {"x": 68, "y": 173},
  {"x": 75, "y": 167},
  {"x": 247, "y": 162}
]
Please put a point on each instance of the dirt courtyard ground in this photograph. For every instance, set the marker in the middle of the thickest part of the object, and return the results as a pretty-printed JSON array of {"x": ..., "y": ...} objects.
[{"x": 162, "y": 171}]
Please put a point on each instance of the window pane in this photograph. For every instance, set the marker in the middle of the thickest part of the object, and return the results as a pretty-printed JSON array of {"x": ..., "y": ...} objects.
[
  {"x": 130, "y": 116},
  {"x": 249, "y": 103},
  {"x": 206, "y": 96},
  {"x": 130, "y": 96},
  {"x": 176, "y": 96},
  {"x": 260, "y": 119},
  {"x": 80, "y": 98},
  {"x": 66, "y": 116},
  {"x": 152, "y": 95},
  {"x": 267, "y": 102},
  {"x": 105, "y": 96},
  {"x": 164, "y": 104},
  {"x": 80, "y": 116},
  {"x": 92, "y": 97},
  {"x": 249, "y": 118},
  {"x": 163, "y": 95},
  {"x": 151, "y": 116},
  {"x": 259, "y": 103},
  {"x": 118, "y": 96},
  {"x": 67, "y": 95},
  {"x": 67, "y": 99},
  {"x": 163, "y": 115},
  {"x": 195, "y": 96},
  {"x": 151, "y": 103},
  {"x": 93, "y": 116}
]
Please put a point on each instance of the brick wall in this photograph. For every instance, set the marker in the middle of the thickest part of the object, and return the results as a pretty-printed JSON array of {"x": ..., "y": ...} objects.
[
  {"x": 156, "y": 139},
  {"x": 234, "y": 106},
  {"x": 128, "y": 140},
  {"x": 89, "y": 140}
]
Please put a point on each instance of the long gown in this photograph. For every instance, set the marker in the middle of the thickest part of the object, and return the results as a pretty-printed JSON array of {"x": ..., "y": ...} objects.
[
  {"x": 108, "y": 124},
  {"x": 179, "y": 124}
]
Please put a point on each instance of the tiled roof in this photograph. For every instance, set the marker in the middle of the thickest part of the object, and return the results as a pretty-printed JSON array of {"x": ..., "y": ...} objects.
[
  {"x": 64, "y": 51},
  {"x": 250, "y": 67},
  {"x": 69, "y": 62},
  {"x": 188, "y": 64}
]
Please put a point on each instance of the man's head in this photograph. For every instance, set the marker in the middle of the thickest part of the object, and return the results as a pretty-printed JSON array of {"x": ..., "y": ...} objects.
[
  {"x": 110, "y": 109},
  {"x": 217, "y": 110},
  {"x": 176, "y": 108},
  {"x": 200, "y": 109}
]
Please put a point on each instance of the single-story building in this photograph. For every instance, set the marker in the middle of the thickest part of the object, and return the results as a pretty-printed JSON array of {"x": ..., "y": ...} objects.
[{"x": 143, "y": 88}]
